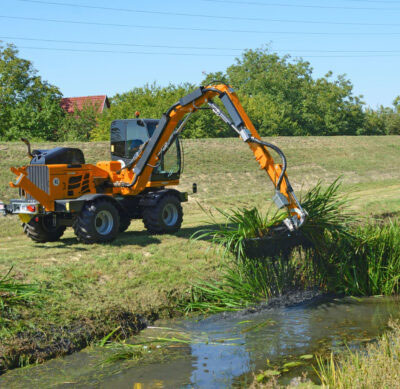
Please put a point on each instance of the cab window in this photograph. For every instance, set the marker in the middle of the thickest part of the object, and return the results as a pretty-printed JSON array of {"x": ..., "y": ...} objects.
[{"x": 136, "y": 135}]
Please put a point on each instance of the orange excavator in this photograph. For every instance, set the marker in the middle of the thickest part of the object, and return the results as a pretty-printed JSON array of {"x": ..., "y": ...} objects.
[{"x": 59, "y": 190}]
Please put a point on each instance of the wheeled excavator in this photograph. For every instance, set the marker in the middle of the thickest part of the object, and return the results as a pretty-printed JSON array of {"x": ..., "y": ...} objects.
[{"x": 59, "y": 190}]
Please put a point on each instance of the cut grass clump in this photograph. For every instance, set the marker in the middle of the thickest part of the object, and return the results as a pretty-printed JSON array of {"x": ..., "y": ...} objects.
[
  {"x": 328, "y": 215},
  {"x": 246, "y": 281},
  {"x": 240, "y": 225}
]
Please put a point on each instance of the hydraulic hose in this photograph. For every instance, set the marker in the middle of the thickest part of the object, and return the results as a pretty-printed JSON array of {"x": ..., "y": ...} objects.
[
  {"x": 280, "y": 153},
  {"x": 120, "y": 184}
]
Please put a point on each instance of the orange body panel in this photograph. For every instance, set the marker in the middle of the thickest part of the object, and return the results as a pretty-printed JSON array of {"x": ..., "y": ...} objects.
[{"x": 70, "y": 183}]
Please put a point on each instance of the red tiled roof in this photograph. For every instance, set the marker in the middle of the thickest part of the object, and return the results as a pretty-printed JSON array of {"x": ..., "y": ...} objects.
[{"x": 70, "y": 103}]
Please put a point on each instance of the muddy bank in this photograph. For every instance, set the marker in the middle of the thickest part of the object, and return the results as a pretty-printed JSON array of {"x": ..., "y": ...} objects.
[
  {"x": 38, "y": 346},
  {"x": 291, "y": 299}
]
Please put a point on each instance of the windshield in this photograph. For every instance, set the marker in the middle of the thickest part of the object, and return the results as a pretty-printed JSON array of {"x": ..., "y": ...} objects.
[{"x": 136, "y": 135}]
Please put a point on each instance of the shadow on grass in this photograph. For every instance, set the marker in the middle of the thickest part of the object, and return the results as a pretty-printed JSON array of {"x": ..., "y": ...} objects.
[
  {"x": 64, "y": 243},
  {"x": 143, "y": 238},
  {"x": 139, "y": 238},
  {"x": 188, "y": 232}
]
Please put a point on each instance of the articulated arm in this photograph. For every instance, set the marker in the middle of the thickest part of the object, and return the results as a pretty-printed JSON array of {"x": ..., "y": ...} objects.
[{"x": 238, "y": 120}]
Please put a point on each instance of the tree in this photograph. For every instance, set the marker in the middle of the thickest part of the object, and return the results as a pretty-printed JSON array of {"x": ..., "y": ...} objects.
[
  {"x": 393, "y": 119},
  {"x": 282, "y": 98},
  {"x": 383, "y": 120},
  {"x": 29, "y": 106}
]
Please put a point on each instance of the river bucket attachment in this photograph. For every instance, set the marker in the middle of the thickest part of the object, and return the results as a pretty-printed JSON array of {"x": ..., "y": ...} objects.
[{"x": 277, "y": 245}]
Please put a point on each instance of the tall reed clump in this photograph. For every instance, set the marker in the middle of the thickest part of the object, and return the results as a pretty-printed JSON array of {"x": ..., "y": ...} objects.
[
  {"x": 335, "y": 252},
  {"x": 240, "y": 225},
  {"x": 368, "y": 261},
  {"x": 245, "y": 280},
  {"x": 244, "y": 283}
]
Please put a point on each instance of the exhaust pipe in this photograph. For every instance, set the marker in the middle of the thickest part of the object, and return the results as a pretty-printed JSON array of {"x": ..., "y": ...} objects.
[{"x": 28, "y": 145}]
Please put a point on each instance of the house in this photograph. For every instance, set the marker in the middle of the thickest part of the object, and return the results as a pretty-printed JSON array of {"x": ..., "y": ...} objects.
[{"x": 69, "y": 104}]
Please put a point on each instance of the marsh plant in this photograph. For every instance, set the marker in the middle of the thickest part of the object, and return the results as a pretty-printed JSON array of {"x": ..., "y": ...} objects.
[
  {"x": 327, "y": 210},
  {"x": 248, "y": 280},
  {"x": 368, "y": 261},
  {"x": 335, "y": 253},
  {"x": 240, "y": 225}
]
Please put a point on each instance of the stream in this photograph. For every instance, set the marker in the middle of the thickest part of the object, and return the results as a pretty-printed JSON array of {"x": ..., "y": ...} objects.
[{"x": 222, "y": 350}]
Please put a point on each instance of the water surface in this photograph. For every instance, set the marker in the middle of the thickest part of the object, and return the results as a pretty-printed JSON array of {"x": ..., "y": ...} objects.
[{"x": 224, "y": 350}]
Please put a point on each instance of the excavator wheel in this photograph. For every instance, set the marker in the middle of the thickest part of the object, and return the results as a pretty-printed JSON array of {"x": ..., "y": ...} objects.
[
  {"x": 165, "y": 217},
  {"x": 41, "y": 230},
  {"x": 124, "y": 222},
  {"x": 98, "y": 222}
]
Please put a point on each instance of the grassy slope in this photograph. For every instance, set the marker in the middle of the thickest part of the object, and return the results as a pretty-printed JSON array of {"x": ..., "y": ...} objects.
[{"x": 145, "y": 274}]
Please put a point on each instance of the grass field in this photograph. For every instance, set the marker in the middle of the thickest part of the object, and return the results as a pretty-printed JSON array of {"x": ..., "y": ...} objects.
[{"x": 146, "y": 274}]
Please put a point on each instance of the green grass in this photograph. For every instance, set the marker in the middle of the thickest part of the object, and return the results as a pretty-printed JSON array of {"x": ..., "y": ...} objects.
[
  {"x": 149, "y": 274},
  {"x": 13, "y": 292}
]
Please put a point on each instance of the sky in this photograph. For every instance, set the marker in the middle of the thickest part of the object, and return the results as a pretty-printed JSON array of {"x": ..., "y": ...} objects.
[{"x": 88, "y": 47}]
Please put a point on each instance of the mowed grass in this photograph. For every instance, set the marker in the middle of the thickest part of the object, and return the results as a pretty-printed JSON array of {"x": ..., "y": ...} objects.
[{"x": 148, "y": 274}]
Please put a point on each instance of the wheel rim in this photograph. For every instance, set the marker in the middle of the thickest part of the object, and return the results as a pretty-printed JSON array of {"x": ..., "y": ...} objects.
[
  {"x": 47, "y": 224},
  {"x": 104, "y": 222},
  {"x": 170, "y": 215}
]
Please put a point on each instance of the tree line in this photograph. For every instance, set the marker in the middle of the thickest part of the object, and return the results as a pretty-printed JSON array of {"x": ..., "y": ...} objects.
[{"x": 280, "y": 95}]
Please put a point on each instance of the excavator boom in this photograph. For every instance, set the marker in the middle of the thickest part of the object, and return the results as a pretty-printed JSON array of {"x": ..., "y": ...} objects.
[{"x": 172, "y": 123}]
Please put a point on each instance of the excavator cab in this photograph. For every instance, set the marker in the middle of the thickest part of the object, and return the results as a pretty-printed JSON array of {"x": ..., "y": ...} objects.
[{"x": 127, "y": 136}]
